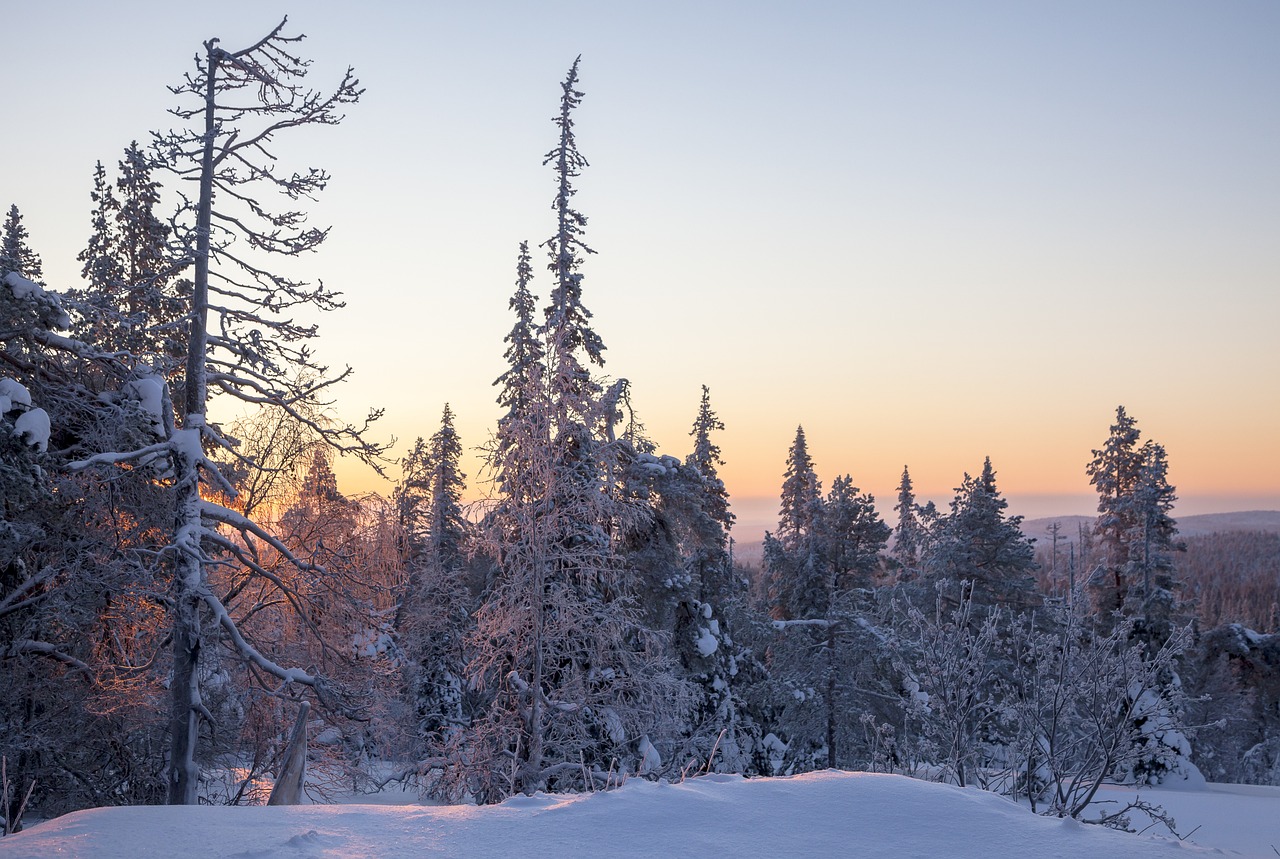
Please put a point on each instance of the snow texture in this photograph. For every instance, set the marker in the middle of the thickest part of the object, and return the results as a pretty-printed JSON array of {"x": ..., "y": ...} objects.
[
  {"x": 13, "y": 394},
  {"x": 706, "y": 642},
  {"x": 33, "y": 427},
  {"x": 148, "y": 392},
  {"x": 28, "y": 290},
  {"x": 819, "y": 814}
]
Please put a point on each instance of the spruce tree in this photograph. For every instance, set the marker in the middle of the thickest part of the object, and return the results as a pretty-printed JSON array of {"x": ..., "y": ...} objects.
[
  {"x": 1135, "y": 531},
  {"x": 908, "y": 534},
  {"x": 16, "y": 254},
  {"x": 794, "y": 560},
  {"x": 980, "y": 550},
  {"x": 854, "y": 535},
  {"x": 434, "y": 616},
  {"x": 558, "y": 646}
]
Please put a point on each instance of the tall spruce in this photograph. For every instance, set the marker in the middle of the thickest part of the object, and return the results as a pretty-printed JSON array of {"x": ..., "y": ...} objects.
[
  {"x": 434, "y": 617},
  {"x": 570, "y": 672}
]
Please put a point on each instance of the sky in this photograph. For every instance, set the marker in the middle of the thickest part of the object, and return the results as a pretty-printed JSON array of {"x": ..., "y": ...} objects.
[{"x": 929, "y": 232}]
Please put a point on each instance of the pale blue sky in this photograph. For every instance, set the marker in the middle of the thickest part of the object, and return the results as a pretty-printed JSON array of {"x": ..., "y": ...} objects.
[{"x": 927, "y": 231}]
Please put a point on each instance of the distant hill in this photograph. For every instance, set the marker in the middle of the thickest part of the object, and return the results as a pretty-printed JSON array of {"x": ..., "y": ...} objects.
[
  {"x": 750, "y": 554},
  {"x": 1188, "y": 526}
]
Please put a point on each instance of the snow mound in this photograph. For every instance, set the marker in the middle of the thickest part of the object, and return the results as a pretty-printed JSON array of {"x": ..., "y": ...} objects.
[{"x": 819, "y": 814}]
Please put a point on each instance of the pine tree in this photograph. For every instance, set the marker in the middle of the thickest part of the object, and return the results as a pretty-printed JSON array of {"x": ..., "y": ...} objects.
[
  {"x": 801, "y": 493},
  {"x": 449, "y": 529},
  {"x": 434, "y": 616},
  {"x": 132, "y": 302},
  {"x": 102, "y": 267},
  {"x": 854, "y": 533},
  {"x": 1153, "y": 597},
  {"x": 794, "y": 559},
  {"x": 823, "y": 661},
  {"x": 706, "y": 459},
  {"x": 1114, "y": 473}
]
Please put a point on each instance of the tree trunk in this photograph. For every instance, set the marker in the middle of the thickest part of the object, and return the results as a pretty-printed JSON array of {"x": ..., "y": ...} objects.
[
  {"x": 288, "y": 788},
  {"x": 831, "y": 696},
  {"x": 184, "y": 725}
]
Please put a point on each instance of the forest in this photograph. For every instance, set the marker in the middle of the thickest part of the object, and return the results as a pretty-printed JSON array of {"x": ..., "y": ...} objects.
[{"x": 191, "y": 611}]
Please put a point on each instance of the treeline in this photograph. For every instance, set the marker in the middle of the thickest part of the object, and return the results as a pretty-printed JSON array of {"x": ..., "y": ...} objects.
[{"x": 173, "y": 588}]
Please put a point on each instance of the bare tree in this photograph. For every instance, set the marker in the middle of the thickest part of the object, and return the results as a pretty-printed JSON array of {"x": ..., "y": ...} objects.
[{"x": 240, "y": 343}]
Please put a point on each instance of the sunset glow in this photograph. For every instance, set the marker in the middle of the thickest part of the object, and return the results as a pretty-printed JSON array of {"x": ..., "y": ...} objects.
[{"x": 928, "y": 233}]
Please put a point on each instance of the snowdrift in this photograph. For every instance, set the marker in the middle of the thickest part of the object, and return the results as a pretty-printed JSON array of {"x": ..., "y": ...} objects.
[{"x": 819, "y": 814}]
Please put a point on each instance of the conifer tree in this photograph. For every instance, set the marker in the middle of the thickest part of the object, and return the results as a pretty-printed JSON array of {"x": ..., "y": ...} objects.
[
  {"x": 133, "y": 298},
  {"x": 16, "y": 254},
  {"x": 801, "y": 494},
  {"x": 434, "y": 617},
  {"x": 706, "y": 459},
  {"x": 24, "y": 305},
  {"x": 794, "y": 558},
  {"x": 820, "y": 568},
  {"x": 908, "y": 534},
  {"x": 981, "y": 550},
  {"x": 1135, "y": 531},
  {"x": 558, "y": 648}
]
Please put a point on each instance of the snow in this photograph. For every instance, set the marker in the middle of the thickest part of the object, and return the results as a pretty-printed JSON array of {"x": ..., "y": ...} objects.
[
  {"x": 148, "y": 392},
  {"x": 33, "y": 427},
  {"x": 13, "y": 394},
  {"x": 28, "y": 290},
  {"x": 706, "y": 642},
  {"x": 819, "y": 814},
  {"x": 21, "y": 287}
]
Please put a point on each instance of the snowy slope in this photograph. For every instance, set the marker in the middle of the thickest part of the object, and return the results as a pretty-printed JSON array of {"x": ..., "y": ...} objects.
[{"x": 820, "y": 814}]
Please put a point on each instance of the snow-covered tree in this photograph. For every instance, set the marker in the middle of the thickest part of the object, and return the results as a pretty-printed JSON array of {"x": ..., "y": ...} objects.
[
  {"x": 16, "y": 254},
  {"x": 573, "y": 678},
  {"x": 434, "y": 616},
  {"x": 951, "y": 690},
  {"x": 794, "y": 557},
  {"x": 133, "y": 299},
  {"x": 825, "y": 660},
  {"x": 241, "y": 343},
  {"x": 1135, "y": 533},
  {"x": 908, "y": 534},
  {"x": 980, "y": 549},
  {"x": 1091, "y": 708},
  {"x": 688, "y": 590}
]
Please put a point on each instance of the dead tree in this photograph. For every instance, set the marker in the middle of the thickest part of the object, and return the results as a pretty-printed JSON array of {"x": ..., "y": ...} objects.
[{"x": 240, "y": 342}]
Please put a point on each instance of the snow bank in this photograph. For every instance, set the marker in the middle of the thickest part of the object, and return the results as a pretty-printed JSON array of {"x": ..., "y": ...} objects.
[{"x": 819, "y": 814}]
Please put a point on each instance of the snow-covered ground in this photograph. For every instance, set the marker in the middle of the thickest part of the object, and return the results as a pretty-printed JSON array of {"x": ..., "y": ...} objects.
[{"x": 820, "y": 814}]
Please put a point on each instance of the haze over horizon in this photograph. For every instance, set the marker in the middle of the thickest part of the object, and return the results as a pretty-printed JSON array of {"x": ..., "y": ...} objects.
[{"x": 928, "y": 232}]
